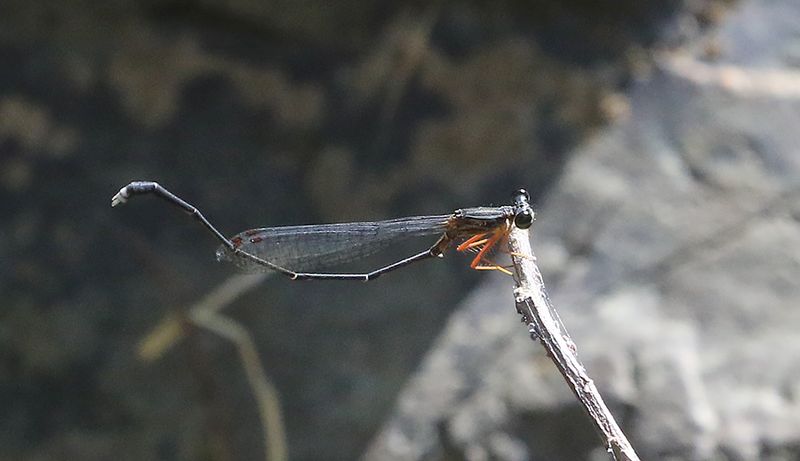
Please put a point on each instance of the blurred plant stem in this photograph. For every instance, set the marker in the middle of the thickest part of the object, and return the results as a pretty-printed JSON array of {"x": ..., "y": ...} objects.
[{"x": 205, "y": 314}]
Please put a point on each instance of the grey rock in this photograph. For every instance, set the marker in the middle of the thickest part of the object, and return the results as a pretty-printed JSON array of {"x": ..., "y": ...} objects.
[{"x": 671, "y": 248}]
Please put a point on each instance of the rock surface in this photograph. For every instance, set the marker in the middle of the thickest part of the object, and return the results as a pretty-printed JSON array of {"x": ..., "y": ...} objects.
[
  {"x": 668, "y": 242},
  {"x": 671, "y": 247}
]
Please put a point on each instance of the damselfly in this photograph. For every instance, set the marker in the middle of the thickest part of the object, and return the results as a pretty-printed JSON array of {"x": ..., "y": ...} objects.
[{"x": 294, "y": 250}]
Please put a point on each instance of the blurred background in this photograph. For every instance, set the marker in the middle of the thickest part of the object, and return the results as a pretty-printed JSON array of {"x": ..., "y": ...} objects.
[{"x": 658, "y": 139}]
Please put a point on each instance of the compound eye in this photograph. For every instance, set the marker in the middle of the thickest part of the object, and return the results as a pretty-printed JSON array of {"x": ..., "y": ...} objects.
[
  {"x": 523, "y": 219},
  {"x": 523, "y": 193}
]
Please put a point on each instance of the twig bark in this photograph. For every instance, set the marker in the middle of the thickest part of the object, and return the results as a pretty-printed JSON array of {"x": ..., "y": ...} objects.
[{"x": 543, "y": 324}]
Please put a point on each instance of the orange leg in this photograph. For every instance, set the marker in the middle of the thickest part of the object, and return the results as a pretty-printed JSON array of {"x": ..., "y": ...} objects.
[
  {"x": 493, "y": 267},
  {"x": 476, "y": 246},
  {"x": 520, "y": 255},
  {"x": 482, "y": 245},
  {"x": 512, "y": 253},
  {"x": 472, "y": 242},
  {"x": 478, "y": 262},
  {"x": 488, "y": 246}
]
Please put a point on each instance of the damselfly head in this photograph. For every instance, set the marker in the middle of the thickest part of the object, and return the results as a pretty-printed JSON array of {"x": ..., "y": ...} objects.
[
  {"x": 521, "y": 193},
  {"x": 523, "y": 218}
]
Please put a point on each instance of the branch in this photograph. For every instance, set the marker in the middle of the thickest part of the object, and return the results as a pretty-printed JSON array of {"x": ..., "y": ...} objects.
[
  {"x": 269, "y": 407},
  {"x": 171, "y": 330},
  {"x": 544, "y": 324},
  {"x": 206, "y": 314}
]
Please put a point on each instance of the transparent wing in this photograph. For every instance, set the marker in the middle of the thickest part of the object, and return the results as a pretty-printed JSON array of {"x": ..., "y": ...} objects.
[{"x": 304, "y": 248}]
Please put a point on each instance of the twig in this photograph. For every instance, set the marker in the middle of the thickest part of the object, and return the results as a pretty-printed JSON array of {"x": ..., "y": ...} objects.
[
  {"x": 269, "y": 408},
  {"x": 543, "y": 324},
  {"x": 205, "y": 314},
  {"x": 170, "y": 330}
]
